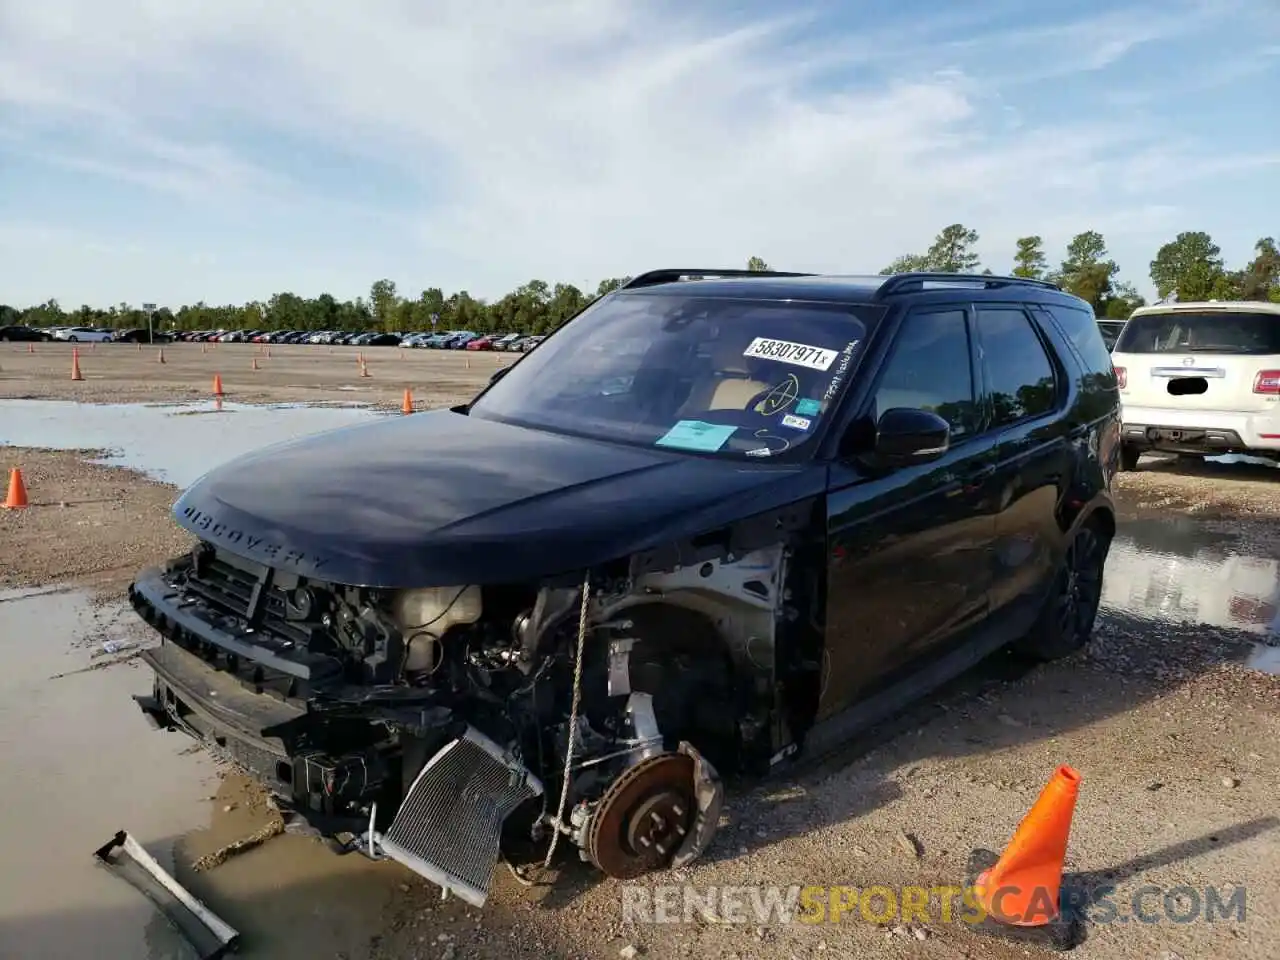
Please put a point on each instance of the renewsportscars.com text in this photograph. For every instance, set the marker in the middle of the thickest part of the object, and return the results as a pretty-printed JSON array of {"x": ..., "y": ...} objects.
[{"x": 813, "y": 904}]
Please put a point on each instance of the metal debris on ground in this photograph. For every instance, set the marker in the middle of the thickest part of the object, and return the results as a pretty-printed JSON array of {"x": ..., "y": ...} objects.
[{"x": 210, "y": 935}]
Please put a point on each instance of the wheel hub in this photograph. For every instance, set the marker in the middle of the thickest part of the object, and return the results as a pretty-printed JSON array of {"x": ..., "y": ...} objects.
[
  {"x": 1073, "y": 585},
  {"x": 644, "y": 817}
]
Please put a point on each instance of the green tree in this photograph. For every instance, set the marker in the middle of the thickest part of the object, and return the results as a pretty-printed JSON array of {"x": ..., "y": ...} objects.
[
  {"x": 566, "y": 300},
  {"x": 1190, "y": 265},
  {"x": 1260, "y": 280},
  {"x": 1086, "y": 271},
  {"x": 47, "y": 314},
  {"x": 1029, "y": 259},
  {"x": 610, "y": 285},
  {"x": 383, "y": 299},
  {"x": 952, "y": 250},
  {"x": 907, "y": 263},
  {"x": 757, "y": 265},
  {"x": 1122, "y": 301}
]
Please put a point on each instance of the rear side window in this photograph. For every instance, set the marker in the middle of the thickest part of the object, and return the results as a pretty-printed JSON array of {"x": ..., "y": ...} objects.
[
  {"x": 1085, "y": 335},
  {"x": 1019, "y": 373},
  {"x": 1213, "y": 331},
  {"x": 1110, "y": 330}
]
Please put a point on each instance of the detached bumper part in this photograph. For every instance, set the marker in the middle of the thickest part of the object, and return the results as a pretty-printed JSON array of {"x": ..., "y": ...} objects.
[
  {"x": 211, "y": 936},
  {"x": 449, "y": 826}
]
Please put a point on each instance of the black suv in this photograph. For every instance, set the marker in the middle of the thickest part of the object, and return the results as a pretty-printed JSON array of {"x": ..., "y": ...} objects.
[{"x": 716, "y": 521}]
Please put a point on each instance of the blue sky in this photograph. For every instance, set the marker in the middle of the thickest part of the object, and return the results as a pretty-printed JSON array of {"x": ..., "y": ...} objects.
[{"x": 223, "y": 150}]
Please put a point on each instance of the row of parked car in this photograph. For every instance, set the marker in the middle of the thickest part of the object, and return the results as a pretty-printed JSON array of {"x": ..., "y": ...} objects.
[
  {"x": 21, "y": 332},
  {"x": 446, "y": 340}
]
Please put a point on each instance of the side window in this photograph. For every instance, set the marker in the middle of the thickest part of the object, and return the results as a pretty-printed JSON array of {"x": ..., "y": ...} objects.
[
  {"x": 1019, "y": 373},
  {"x": 929, "y": 369},
  {"x": 1086, "y": 336}
]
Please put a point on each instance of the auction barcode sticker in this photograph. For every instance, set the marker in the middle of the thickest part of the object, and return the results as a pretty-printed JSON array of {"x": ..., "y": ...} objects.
[{"x": 784, "y": 351}]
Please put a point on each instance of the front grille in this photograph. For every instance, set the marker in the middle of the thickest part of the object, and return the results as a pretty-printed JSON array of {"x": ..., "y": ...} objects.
[
  {"x": 449, "y": 826},
  {"x": 230, "y": 588}
]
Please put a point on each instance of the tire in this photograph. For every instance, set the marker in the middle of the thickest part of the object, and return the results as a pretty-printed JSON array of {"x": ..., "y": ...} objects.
[
  {"x": 1066, "y": 621},
  {"x": 73, "y": 339},
  {"x": 1129, "y": 455}
]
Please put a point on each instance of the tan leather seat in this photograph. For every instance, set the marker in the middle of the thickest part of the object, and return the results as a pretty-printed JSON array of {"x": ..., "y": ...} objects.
[
  {"x": 732, "y": 390},
  {"x": 735, "y": 394}
]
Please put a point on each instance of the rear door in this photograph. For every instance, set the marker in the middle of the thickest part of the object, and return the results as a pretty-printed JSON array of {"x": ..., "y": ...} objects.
[
  {"x": 1027, "y": 389},
  {"x": 1203, "y": 358}
]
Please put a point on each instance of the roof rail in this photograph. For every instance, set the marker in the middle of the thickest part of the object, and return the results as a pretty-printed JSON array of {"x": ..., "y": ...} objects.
[
  {"x": 672, "y": 275},
  {"x": 909, "y": 282}
]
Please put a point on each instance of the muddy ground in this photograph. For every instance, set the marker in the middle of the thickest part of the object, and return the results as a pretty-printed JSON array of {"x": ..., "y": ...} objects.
[{"x": 1176, "y": 738}]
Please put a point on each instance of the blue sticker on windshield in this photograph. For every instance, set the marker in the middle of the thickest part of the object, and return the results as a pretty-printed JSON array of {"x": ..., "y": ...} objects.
[
  {"x": 808, "y": 408},
  {"x": 696, "y": 435}
]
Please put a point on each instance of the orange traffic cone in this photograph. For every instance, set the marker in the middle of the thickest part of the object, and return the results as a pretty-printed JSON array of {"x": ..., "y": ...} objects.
[
  {"x": 75, "y": 364},
  {"x": 160, "y": 359},
  {"x": 17, "y": 498},
  {"x": 31, "y": 348},
  {"x": 139, "y": 346},
  {"x": 364, "y": 369},
  {"x": 255, "y": 362},
  {"x": 204, "y": 348},
  {"x": 1022, "y": 888},
  {"x": 268, "y": 352},
  {"x": 406, "y": 405},
  {"x": 217, "y": 384}
]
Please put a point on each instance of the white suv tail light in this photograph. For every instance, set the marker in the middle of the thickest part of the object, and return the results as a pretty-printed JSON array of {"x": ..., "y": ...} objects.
[{"x": 1268, "y": 382}]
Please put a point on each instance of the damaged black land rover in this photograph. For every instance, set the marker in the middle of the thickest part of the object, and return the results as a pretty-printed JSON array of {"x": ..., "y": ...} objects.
[{"x": 714, "y": 523}]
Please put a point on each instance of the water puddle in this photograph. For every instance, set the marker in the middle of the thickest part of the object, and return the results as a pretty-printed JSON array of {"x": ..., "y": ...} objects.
[
  {"x": 81, "y": 763},
  {"x": 175, "y": 443},
  {"x": 1174, "y": 570},
  {"x": 1245, "y": 459}
]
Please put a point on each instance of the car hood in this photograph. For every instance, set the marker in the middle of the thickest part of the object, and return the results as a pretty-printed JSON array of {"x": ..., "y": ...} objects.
[{"x": 442, "y": 498}]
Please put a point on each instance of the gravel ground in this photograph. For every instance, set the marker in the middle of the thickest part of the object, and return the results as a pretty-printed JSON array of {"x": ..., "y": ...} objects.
[
  {"x": 1176, "y": 741},
  {"x": 120, "y": 372},
  {"x": 88, "y": 524}
]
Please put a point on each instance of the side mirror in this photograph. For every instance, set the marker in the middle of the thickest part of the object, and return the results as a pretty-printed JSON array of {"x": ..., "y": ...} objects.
[{"x": 906, "y": 436}]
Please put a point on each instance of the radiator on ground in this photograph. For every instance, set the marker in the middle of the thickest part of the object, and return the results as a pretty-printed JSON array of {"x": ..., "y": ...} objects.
[{"x": 450, "y": 824}]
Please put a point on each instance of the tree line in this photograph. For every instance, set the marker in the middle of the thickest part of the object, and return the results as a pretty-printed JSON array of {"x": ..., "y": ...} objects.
[{"x": 1190, "y": 266}]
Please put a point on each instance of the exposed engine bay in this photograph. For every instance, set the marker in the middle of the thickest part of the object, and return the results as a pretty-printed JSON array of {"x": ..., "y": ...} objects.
[{"x": 448, "y": 726}]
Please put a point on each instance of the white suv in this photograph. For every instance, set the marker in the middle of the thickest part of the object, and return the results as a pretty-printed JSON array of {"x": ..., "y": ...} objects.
[{"x": 1200, "y": 378}]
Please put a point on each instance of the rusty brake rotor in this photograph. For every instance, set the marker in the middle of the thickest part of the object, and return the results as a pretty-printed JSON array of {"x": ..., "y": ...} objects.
[{"x": 643, "y": 817}]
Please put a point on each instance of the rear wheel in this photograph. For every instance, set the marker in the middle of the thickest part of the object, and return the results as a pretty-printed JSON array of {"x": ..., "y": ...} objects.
[
  {"x": 1066, "y": 621},
  {"x": 1129, "y": 455},
  {"x": 73, "y": 339}
]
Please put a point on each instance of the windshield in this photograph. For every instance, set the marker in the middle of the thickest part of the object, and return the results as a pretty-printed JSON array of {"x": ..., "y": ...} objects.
[
  {"x": 718, "y": 376},
  {"x": 1214, "y": 331}
]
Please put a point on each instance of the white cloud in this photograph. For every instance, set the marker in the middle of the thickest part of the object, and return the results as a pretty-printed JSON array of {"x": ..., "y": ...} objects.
[{"x": 574, "y": 139}]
